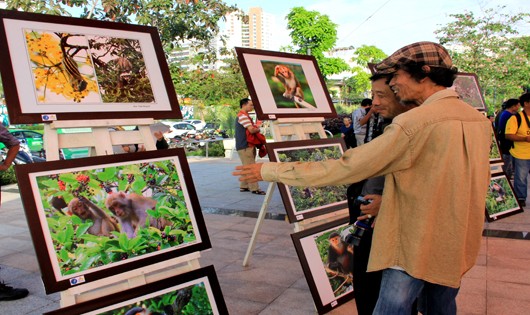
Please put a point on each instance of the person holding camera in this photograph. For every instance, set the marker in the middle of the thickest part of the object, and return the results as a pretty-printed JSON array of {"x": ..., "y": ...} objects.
[
  {"x": 366, "y": 201},
  {"x": 435, "y": 159}
]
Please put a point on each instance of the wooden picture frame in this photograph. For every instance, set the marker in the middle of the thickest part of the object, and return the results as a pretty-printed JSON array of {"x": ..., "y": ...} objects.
[
  {"x": 307, "y": 202},
  {"x": 495, "y": 152},
  {"x": 284, "y": 85},
  {"x": 323, "y": 283},
  {"x": 197, "y": 286},
  {"x": 500, "y": 199},
  {"x": 468, "y": 87},
  {"x": 111, "y": 69},
  {"x": 61, "y": 201}
]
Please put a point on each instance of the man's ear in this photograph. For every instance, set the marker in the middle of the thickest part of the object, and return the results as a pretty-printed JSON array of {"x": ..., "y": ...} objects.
[{"x": 426, "y": 69}]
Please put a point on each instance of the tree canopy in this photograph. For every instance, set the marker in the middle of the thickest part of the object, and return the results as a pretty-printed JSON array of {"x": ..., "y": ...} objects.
[
  {"x": 491, "y": 47},
  {"x": 357, "y": 85},
  {"x": 314, "y": 33},
  {"x": 176, "y": 20}
]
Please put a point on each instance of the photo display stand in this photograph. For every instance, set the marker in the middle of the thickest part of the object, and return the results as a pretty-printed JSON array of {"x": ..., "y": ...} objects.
[
  {"x": 288, "y": 129},
  {"x": 101, "y": 141}
]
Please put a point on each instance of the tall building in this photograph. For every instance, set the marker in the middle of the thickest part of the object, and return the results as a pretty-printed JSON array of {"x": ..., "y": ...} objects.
[{"x": 252, "y": 30}]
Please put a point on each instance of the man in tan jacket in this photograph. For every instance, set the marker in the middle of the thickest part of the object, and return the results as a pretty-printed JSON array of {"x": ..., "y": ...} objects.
[{"x": 436, "y": 166}]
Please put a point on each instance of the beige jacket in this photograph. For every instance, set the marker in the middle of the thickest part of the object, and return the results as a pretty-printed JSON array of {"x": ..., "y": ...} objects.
[{"x": 435, "y": 158}]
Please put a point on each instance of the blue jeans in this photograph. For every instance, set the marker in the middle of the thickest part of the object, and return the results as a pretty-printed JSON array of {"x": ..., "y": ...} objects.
[
  {"x": 508, "y": 164},
  {"x": 399, "y": 290},
  {"x": 520, "y": 177}
]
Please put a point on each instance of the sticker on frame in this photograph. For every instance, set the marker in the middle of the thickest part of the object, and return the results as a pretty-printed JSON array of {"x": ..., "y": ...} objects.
[
  {"x": 284, "y": 85},
  {"x": 62, "y": 68},
  {"x": 93, "y": 218},
  {"x": 306, "y": 202},
  {"x": 194, "y": 292},
  {"x": 330, "y": 282}
]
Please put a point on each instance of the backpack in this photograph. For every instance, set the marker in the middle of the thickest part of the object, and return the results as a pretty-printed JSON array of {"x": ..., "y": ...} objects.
[{"x": 504, "y": 144}]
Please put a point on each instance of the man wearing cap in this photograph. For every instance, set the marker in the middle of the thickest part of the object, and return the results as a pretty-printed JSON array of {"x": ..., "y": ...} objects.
[{"x": 436, "y": 166}]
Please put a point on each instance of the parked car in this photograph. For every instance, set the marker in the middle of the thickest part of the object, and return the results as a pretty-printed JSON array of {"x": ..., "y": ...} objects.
[
  {"x": 179, "y": 129},
  {"x": 32, "y": 138},
  {"x": 199, "y": 124}
]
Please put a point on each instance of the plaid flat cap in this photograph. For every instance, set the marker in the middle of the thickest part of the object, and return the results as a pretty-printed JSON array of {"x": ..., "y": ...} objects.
[{"x": 428, "y": 53}]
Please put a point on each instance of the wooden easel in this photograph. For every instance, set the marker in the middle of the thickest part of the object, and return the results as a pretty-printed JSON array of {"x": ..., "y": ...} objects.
[
  {"x": 101, "y": 140},
  {"x": 288, "y": 130}
]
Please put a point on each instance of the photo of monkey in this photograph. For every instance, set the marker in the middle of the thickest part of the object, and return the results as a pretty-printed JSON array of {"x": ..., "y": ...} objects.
[
  {"x": 94, "y": 216},
  {"x": 337, "y": 257},
  {"x": 288, "y": 85},
  {"x": 501, "y": 200},
  {"x": 326, "y": 256}
]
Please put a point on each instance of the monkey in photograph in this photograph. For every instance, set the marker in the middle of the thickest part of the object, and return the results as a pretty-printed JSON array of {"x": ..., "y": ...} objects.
[
  {"x": 340, "y": 255},
  {"x": 293, "y": 88},
  {"x": 102, "y": 225},
  {"x": 131, "y": 211}
]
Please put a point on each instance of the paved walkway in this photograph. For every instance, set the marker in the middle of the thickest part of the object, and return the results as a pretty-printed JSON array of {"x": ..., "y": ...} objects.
[{"x": 274, "y": 282}]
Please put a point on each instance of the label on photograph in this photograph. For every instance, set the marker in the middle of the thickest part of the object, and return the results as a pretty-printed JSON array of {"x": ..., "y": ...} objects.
[
  {"x": 334, "y": 303},
  {"x": 49, "y": 117},
  {"x": 300, "y": 217},
  {"x": 272, "y": 116},
  {"x": 77, "y": 280}
]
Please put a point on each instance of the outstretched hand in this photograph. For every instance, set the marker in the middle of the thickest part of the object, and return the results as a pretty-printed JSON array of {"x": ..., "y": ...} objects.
[{"x": 249, "y": 173}]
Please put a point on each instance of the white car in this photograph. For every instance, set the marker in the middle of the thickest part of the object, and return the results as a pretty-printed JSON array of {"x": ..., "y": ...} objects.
[
  {"x": 199, "y": 124},
  {"x": 180, "y": 129}
]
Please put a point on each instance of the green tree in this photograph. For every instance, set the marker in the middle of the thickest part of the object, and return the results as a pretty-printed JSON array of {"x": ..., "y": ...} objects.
[
  {"x": 176, "y": 20},
  {"x": 358, "y": 85},
  {"x": 489, "y": 46},
  {"x": 314, "y": 34}
]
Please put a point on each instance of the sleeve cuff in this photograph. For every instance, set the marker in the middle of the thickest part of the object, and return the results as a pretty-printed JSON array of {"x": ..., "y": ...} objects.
[{"x": 268, "y": 172}]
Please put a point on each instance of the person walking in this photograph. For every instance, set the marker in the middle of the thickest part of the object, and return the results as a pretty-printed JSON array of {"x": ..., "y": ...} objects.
[
  {"x": 360, "y": 117},
  {"x": 511, "y": 107},
  {"x": 518, "y": 131},
  {"x": 245, "y": 150}
]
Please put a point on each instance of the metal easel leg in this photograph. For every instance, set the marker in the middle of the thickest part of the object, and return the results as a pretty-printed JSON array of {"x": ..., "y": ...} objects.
[{"x": 261, "y": 217}]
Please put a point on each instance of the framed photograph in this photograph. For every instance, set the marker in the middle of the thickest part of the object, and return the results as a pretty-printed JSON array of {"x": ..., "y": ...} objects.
[
  {"x": 501, "y": 200},
  {"x": 62, "y": 68},
  {"x": 495, "y": 153},
  {"x": 467, "y": 86},
  {"x": 306, "y": 202},
  {"x": 92, "y": 218},
  {"x": 284, "y": 85},
  {"x": 327, "y": 262},
  {"x": 194, "y": 292}
]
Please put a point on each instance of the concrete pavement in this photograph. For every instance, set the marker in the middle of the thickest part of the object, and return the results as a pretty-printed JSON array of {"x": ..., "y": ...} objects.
[{"x": 274, "y": 282}]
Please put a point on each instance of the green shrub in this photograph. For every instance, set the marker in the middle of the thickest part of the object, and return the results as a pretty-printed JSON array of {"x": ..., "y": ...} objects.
[
  {"x": 8, "y": 177},
  {"x": 215, "y": 149}
]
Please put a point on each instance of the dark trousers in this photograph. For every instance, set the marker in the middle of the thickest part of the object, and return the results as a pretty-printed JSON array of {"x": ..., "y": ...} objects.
[{"x": 365, "y": 284}]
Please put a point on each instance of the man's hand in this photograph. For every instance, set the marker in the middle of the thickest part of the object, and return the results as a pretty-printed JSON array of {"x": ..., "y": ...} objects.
[
  {"x": 372, "y": 209},
  {"x": 158, "y": 135},
  {"x": 249, "y": 173}
]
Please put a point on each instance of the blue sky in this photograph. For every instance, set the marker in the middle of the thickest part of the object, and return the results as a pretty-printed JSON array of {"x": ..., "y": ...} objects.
[{"x": 387, "y": 24}]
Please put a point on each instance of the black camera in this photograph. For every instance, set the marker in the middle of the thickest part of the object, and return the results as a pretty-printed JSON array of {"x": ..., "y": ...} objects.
[
  {"x": 361, "y": 201},
  {"x": 357, "y": 232}
]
